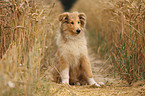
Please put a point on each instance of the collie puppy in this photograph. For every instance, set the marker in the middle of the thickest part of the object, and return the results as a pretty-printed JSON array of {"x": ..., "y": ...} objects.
[{"x": 73, "y": 65}]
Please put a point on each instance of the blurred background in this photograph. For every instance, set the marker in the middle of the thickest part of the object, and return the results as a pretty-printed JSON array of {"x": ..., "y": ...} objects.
[{"x": 28, "y": 28}]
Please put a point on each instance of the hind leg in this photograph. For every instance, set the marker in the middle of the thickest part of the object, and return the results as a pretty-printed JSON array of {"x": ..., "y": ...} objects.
[{"x": 86, "y": 67}]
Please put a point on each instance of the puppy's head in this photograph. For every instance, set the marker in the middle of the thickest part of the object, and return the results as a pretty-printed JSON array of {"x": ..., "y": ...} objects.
[{"x": 73, "y": 22}]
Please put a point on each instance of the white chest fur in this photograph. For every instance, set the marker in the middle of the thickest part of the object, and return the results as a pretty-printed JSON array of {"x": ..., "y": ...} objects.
[{"x": 72, "y": 49}]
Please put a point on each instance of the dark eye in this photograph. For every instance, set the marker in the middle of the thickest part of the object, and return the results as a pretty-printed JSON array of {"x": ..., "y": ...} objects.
[
  {"x": 72, "y": 22},
  {"x": 78, "y": 22}
]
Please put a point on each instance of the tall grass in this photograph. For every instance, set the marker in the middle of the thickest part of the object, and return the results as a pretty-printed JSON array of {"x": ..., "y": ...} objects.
[
  {"x": 128, "y": 39},
  {"x": 117, "y": 31},
  {"x": 26, "y": 41}
]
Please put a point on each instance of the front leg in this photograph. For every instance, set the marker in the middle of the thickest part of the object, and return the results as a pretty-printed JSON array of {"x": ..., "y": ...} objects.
[
  {"x": 64, "y": 71},
  {"x": 86, "y": 66}
]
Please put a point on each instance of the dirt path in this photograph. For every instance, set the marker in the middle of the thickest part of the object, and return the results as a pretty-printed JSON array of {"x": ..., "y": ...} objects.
[
  {"x": 113, "y": 87},
  {"x": 65, "y": 90}
]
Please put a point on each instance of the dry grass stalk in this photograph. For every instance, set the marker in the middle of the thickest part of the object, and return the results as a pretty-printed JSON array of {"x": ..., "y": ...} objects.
[
  {"x": 26, "y": 39},
  {"x": 126, "y": 30}
]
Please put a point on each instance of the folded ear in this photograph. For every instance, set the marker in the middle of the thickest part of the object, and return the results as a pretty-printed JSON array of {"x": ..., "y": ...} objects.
[
  {"x": 63, "y": 16},
  {"x": 82, "y": 18}
]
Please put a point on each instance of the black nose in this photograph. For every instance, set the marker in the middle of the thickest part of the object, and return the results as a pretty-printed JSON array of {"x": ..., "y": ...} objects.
[{"x": 78, "y": 31}]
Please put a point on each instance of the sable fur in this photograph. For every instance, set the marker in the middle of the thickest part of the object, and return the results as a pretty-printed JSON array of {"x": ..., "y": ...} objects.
[{"x": 72, "y": 49}]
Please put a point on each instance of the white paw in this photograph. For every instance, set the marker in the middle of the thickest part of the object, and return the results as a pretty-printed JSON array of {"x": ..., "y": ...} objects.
[
  {"x": 97, "y": 85},
  {"x": 65, "y": 76},
  {"x": 65, "y": 81},
  {"x": 91, "y": 81},
  {"x": 101, "y": 83}
]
